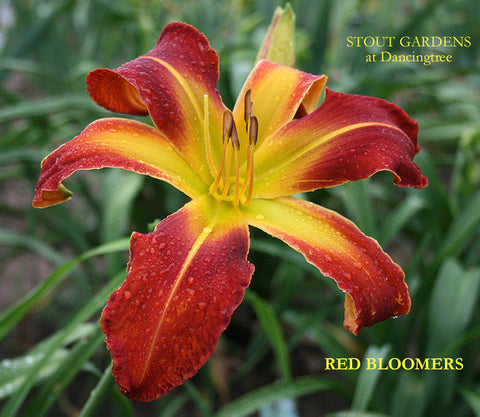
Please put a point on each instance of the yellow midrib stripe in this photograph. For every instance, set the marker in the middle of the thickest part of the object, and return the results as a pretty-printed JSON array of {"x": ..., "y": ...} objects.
[
  {"x": 182, "y": 82},
  {"x": 191, "y": 254},
  {"x": 319, "y": 141}
]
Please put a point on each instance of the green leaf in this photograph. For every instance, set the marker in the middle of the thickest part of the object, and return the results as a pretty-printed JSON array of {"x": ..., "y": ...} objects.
[
  {"x": 410, "y": 395},
  {"x": 285, "y": 407},
  {"x": 172, "y": 406},
  {"x": 58, "y": 382},
  {"x": 452, "y": 304},
  {"x": 279, "y": 250},
  {"x": 13, "y": 372},
  {"x": 273, "y": 330},
  {"x": 359, "y": 206},
  {"x": 12, "y": 316},
  {"x": 256, "y": 399},
  {"x": 473, "y": 399},
  {"x": 461, "y": 230},
  {"x": 435, "y": 195},
  {"x": 199, "y": 400},
  {"x": 32, "y": 244},
  {"x": 117, "y": 207},
  {"x": 46, "y": 107},
  {"x": 98, "y": 395},
  {"x": 351, "y": 413},
  {"x": 399, "y": 217},
  {"x": 120, "y": 188},
  {"x": 84, "y": 313},
  {"x": 368, "y": 379}
]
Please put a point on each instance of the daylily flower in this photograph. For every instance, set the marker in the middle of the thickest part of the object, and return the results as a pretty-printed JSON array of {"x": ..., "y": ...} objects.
[{"x": 240, "y": 168}]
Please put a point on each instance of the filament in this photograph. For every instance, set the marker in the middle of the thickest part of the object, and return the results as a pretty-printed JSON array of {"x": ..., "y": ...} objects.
[{"x": 231, "y": 150}]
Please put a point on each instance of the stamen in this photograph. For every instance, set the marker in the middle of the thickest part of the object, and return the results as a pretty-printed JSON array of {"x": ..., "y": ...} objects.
[
  {"x": 227, "y": 125},
  {"x": 253, "y": 132},
  {"x": 214, "y": 186},
  {"x": 227, "y": 131},
  {"x": 236, "y": 148},
  {"x": 228, "y": 160},
  {"x": 247, "y": 109},
  {"x": 230, "y": 137},
  {"x": 252, "y": 141},
  {"x": 228, "y": 128},
  {"x": 234, "y": 135}
]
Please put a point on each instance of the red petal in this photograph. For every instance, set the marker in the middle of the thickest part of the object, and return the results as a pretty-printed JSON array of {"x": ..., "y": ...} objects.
[
  {"x": 119, "y": 143},
  {"x": 374, "y": 284},
  {"x": 170, "y": 81},
  {"x": 184, "y": 282},
  {"x": 349, "y": 137}
]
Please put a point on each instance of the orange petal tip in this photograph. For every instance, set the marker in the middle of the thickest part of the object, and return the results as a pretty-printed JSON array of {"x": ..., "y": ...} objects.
[{"x": 49, "y": 198}]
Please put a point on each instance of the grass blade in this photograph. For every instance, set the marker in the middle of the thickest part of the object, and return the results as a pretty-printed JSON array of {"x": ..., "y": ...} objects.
[
  {"x": 452, "y": 304},
  {"x": 256, "y": 399},
  {"x": 464, "y": 226},
  {"x": 95, "y": 304},
  {"x": 398, "y": 218},
  {"x": 54, "y": 387},
  {"x": 273, "y": 330},
  {"x": 34, "y": 245},
  {"x": 98, "y": 394},
  {"x": 11, "y": 317},
  {"x": 368, "y": 379},
  {"x": 46, "y": 107},
  {"x": 359, "y": 206}
]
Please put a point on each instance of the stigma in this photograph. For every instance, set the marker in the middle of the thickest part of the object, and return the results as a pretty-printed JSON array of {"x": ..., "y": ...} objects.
[{"x": 228, "y": 184}]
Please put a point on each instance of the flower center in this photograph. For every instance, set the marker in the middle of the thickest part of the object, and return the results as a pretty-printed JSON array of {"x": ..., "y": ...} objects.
[{"x": 228, "y": 185}]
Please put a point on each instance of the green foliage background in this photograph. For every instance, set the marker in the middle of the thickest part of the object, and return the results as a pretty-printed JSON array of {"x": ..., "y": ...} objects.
[{"x": 58, "y": 266}]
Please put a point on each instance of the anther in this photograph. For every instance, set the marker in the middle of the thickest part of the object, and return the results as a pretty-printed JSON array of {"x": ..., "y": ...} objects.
[
  {"x": 253, "y": 132},
  {"x": 234, "y": 136},
  {"x": 249, "y": 173},
  {"x": 223, "y": 184},
  {"x": 236, "y": 148},
  {"x": 247, "y": 109},
  {"x": 227, "y": 132},
  {"x": 227, "y": 125}
]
